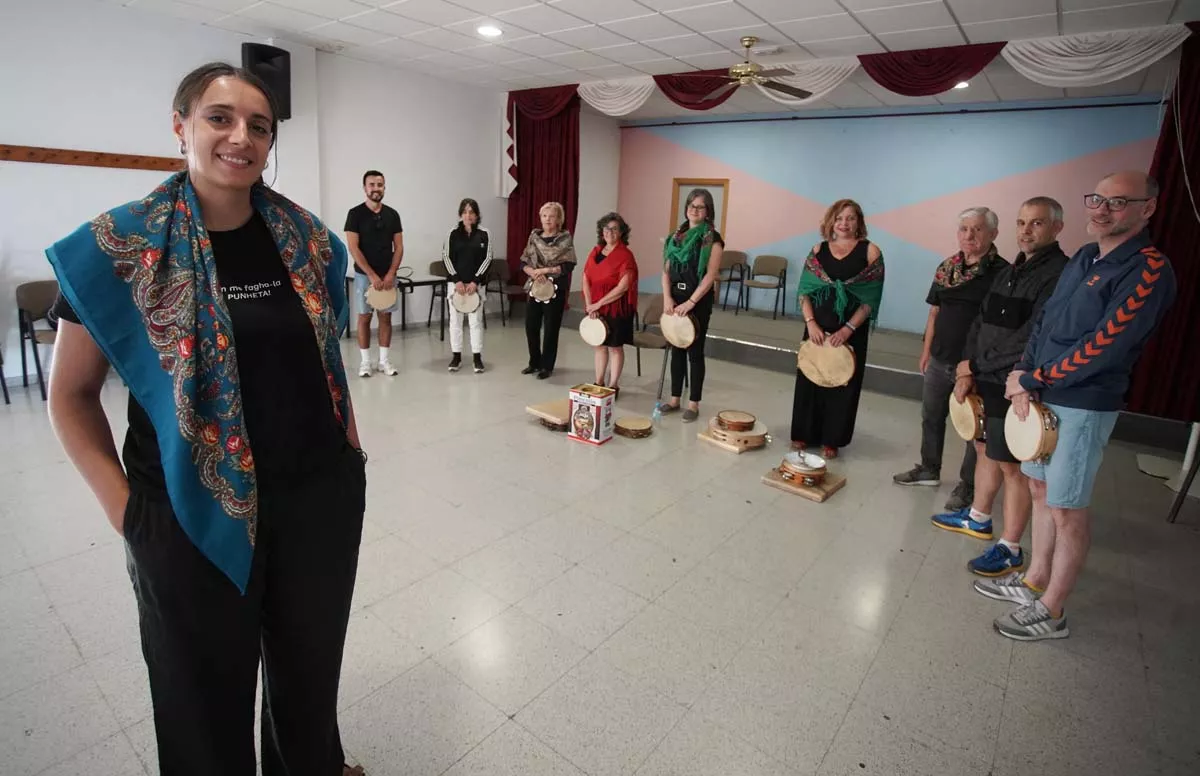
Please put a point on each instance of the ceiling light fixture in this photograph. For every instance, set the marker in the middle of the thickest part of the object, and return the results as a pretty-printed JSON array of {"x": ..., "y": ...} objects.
[
  {"x": 961, "y": 85},
  {"x": 489, "y": 31}
]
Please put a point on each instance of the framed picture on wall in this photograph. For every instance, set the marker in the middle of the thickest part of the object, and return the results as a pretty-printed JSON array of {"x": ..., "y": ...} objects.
[{"x": 718, "y": 187}]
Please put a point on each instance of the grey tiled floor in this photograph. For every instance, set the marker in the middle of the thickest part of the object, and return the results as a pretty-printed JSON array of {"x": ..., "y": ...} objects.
[{"x": 530, "y": 606}]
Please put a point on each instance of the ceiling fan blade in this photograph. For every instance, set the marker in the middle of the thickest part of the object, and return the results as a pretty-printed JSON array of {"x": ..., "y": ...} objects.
[
  {"x": 721, "y": 91},
  {"x": 776, "y": 73},
  {"x": 792, "y": 91}
]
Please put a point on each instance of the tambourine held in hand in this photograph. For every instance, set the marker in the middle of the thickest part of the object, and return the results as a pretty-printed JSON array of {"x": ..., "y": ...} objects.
[
  {"x": 594, "y": 331},
  {"x": 542, "y": 289},
  {"x": 968, "y": 416},
  {"x": 381, "y": 299},
  {"x": 679, "y": 330},
  {"x": 465, "y": 303},
  {"x": 826, "y": 365},
  {"x": 1034, "y": 438}
]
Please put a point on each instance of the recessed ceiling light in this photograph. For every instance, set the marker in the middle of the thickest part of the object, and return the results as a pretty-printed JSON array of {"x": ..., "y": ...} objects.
[
  {"x": 489, "y": 31},
  {"x": 961, "y": 85}
]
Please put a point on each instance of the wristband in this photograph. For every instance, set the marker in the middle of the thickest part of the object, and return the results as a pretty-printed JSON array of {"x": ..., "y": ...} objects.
[
  {"x": 808, "y": 321},
  {"x": 851, "y": 326}
]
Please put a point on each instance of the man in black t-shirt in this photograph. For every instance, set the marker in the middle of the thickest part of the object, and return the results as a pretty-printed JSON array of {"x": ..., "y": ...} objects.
[
  {"x": 959, "y": 286},
  {"x": 375, "y": 237}
]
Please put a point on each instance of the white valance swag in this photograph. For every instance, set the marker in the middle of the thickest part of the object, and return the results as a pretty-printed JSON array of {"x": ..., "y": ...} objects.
[
  {"x": 819, "y": 77},
  {"x": 1092, "y": 58},
  {"x": 618, "y": 98}
]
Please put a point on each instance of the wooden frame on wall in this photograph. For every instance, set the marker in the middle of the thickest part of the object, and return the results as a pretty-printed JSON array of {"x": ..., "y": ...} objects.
[{"x": 718, "y": 187}]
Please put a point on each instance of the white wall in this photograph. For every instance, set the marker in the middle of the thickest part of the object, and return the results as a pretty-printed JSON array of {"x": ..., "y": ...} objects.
[
  {"x": 435, "y": 142},
  {"x": 599, "y": 165},
  {"x": 104, "y": 82}
]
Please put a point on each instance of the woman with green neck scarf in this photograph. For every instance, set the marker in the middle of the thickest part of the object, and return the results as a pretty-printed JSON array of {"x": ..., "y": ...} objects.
[
  {"x": 692, "y": 261},
  {"x": 840, "y": 291}
]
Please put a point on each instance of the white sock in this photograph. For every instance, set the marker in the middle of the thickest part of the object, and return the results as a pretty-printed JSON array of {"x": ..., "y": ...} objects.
[
  {"x": 366, "y": 355},
  {"x": 383, "y": 354},
  {"x": 980, "y": 517},
  {"x": 1014, "y": 548}
]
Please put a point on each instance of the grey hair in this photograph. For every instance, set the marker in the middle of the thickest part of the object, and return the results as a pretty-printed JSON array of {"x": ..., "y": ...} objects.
[
  {"x": 988, "y": 215},
  {"x": 1056, "y": 210}
]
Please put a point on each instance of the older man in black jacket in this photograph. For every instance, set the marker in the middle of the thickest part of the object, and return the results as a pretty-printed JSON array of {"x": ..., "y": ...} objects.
[{"x": 995, "y": 343}]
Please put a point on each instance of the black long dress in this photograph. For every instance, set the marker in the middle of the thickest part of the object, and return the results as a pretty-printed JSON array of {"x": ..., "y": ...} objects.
[{"x": 825, "y": 416}]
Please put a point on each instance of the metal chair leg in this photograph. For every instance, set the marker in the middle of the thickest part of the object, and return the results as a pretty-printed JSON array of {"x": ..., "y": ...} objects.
[
  {"x": 662, "y": 377},
  {"x": 37, "y": 362},
  {"x": 24, "y": 364},
  {"x": 3, "y": 382},
  {"x": 639, "y": 361}
]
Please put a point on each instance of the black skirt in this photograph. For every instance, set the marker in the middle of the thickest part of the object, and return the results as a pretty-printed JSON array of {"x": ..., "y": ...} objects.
[{"x": 620, "y": 331}]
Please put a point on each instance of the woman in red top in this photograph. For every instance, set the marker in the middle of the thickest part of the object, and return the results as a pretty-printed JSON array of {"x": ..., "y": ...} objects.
[{"x": 610, "y": 281}]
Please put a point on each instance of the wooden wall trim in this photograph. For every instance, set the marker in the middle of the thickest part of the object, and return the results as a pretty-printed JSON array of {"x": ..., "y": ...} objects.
[{"x": 15, "y": 153}]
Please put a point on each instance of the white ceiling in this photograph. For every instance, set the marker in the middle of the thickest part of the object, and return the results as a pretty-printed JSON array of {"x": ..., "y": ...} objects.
[{"x": 549, "y": 42}]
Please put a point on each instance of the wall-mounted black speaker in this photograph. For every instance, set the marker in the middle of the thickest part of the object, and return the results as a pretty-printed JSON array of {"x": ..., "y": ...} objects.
[{"x": 274, "y": 66}]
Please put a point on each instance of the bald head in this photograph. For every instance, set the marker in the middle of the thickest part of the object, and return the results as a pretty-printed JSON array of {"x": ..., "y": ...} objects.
[
  {"x": 1120, "y": 207},
  {"x": 1136, "y": 180}
]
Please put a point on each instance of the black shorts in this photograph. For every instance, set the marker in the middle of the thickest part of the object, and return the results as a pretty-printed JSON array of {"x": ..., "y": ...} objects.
[{"x": 995, "y": 407}]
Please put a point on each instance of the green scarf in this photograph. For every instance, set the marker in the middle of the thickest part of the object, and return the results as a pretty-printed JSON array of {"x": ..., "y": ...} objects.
[
  {"x": 681, "y": 247},
  {"x": 865, "y": 288}
]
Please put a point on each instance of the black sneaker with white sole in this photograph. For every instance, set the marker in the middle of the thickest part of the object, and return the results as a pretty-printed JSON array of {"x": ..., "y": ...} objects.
[
  {"x": 455, "y": 362},
  {"x": 478, "y": 364}
]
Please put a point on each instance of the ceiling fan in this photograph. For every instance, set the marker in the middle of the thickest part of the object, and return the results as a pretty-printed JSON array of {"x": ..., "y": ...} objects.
[{"x": 752, "y": 73}]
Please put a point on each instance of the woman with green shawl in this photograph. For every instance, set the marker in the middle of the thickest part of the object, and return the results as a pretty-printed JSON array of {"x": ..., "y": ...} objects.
[
  {"x": 691, "y": 263},
  {"x": 840, "y": 291}
]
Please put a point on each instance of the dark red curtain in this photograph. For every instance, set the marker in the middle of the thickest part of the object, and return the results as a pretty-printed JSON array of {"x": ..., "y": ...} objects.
[
  {"x": 925, "y": 72},
  {"x": 687, "y": 90},
  {"x": 1166, "y": 380},
  {"x": 547, "y": 168}
]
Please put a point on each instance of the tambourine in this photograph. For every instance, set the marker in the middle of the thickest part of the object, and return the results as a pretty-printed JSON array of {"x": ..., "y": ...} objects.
[
  {"x": 1034, "y": 438},
  {"x": 968, "y": 417},
  {"x": 803, "y": 467},
  {"x": 594, "y": 331},
  {"x": 542, "y": 289},
  {"x": 465, "y": 303},
  {"x": 736, "y": 420},
  {"x": 679, "y": 330},
  {"x": 381, "y": 299},
  {"x": 751, "y": 439},
  {"x": 633, "y": 427},
  {"x": 825, "y": 365}
]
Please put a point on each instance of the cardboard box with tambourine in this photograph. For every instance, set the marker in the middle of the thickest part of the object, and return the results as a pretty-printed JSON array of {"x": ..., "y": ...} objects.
[{"x": 591, "y": 417}]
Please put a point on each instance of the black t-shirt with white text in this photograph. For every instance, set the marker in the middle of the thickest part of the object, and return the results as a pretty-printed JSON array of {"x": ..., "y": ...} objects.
[
  {"x": 375, "y": 231},
  {"x": 286, "y": 405}
]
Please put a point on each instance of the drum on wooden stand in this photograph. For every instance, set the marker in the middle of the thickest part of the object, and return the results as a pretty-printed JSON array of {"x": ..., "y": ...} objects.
[
  {"x": 803, "y": 467},
  {"x": 968, "y": 417},
  {"x": 736, "y": 420},
  {"x": 542, "y": 289},
  {"x": 381, "y": 299},
  {"x": 825, "y": 365},
  {"x": 751, "y": 438},
  {"x": 634, "y": 427},
  {"x": 1034, "y": 438},
  {"x": 465, "y": 303},
  {"x": 679, "y": 330},
  {"x": 594, "y": 331}
]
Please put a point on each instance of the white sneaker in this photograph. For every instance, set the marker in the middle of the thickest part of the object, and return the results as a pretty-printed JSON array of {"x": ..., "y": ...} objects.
[
  {"x": 387, "y": 368},
  {"x": 364, "y": 369}
]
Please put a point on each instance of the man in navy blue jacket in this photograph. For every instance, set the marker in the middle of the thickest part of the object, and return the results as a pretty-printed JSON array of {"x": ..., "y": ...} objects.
[{"x": 1108, "y": 301}]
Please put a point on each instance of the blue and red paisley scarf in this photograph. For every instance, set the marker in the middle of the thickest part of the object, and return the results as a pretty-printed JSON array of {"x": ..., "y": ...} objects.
[{"x": 142, "y": 279}]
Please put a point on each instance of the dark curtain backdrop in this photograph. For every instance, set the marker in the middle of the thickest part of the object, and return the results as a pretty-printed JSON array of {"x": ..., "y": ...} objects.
[
  {"x": 687, "y": 90},
  {"x": 1166, "y": 380},
  {"x": 925, "y": 72},
  {"x": 547, "y": 129}
]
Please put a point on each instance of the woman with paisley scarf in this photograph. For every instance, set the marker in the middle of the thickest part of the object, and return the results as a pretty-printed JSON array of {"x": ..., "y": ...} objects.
[
  {"x": 840, "y": 291},
  {"x": 549, "y": 253},
  {"x": 692, "y": 261},
  {"x": 241, "y": 499}
]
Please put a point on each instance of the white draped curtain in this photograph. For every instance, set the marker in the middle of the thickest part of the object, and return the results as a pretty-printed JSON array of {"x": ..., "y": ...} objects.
[
  {"x": 820, "y": 77},
  {"x": 1093, "y": 58},
  {"x": 618, "y": 98}
]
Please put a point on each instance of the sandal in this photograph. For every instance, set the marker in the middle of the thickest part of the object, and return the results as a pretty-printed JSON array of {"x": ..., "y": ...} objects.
[
  {"x": 690, "y": 415},
  {"x": 829, "y": 453},
  {"x": 799, "y": 447},
  {"x": 666, "y": 409}
]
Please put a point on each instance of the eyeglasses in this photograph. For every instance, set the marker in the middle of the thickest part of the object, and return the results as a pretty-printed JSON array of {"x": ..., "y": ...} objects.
[
  {"x": 700, "y": 208},
  {"x": 1115, "y": 204},
  {"x": 611, "y": 229}
]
